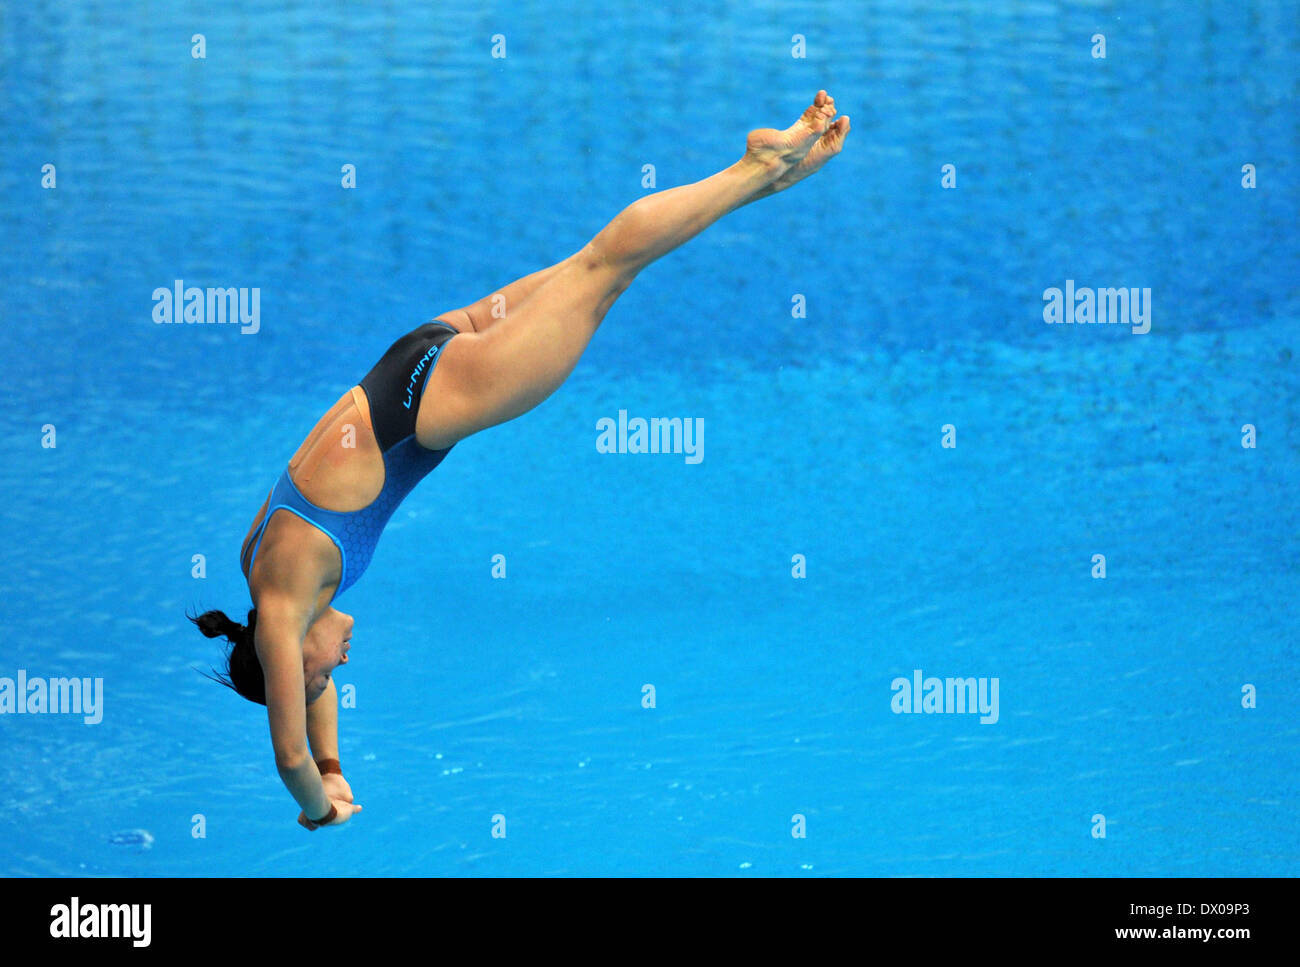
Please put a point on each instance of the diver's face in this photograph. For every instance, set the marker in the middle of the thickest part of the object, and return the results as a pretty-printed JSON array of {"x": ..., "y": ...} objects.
[{"x": 324, "y": 649}]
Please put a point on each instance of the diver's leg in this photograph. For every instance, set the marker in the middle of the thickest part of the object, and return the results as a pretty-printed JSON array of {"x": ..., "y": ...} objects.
[
  {"x": 485, "y": 378},
  {"x": 491, "y": 309},
  {"x": 481, "y": 315}
]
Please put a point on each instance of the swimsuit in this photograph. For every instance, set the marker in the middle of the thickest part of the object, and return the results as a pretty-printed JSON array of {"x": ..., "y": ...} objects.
[{"x": 394, "y": 388}]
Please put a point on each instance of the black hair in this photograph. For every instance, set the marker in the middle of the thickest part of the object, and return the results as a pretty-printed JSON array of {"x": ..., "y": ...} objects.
[{"x": 243, "y": 669}]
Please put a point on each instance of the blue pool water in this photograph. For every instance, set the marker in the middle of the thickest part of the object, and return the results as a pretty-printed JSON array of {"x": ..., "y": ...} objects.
[{"x": 522, "y": 697}]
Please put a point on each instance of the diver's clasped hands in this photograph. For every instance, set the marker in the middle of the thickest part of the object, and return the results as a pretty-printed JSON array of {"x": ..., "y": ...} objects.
[
  {"x": 336, "y": 787},
  {"x": 342, "y": 813},
  {"x": 339, "y": 794}
]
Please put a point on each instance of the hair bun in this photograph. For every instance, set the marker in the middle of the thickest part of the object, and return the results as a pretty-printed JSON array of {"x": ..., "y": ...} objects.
[{"x": 214, "y": 624}]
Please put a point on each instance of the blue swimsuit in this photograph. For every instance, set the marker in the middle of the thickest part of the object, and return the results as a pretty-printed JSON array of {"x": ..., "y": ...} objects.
[{"x": 394, "y": 388}]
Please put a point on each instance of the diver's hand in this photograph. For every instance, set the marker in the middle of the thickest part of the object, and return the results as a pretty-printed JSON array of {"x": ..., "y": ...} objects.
[
  {"x": 336, "y": 787},
  {"x": 343, "y": 810}
]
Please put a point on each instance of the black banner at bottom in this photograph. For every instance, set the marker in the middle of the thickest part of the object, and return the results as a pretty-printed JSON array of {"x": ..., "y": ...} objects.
[{"x": 1226, "y": 916}]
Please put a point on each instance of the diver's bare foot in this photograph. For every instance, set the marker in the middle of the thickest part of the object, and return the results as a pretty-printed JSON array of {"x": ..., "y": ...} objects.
[
  {"x": 793, "y": 154},
  {"x": 782, "y": 150},
  {"x": 827, "y": 147}
]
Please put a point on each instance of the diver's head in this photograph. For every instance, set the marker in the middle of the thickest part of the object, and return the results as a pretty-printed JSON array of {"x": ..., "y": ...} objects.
[{"x": 323, "y": 649}]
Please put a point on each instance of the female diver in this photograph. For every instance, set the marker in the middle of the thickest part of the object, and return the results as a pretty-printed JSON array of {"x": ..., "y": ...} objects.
[{"x": 466, "y": 371}]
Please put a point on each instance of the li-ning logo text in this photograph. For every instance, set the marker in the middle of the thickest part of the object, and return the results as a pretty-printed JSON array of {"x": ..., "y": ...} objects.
[
  {"x": 67, "y": 696},
  {"x": 932, "y": 695},
  {"x": 1128, "y": 307},
  {"x": 196, "y": 306},
  {"x": 656, "y": 435},
  {"x": 109, "y": 921},
  {"x": 415, "y": 375}
]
